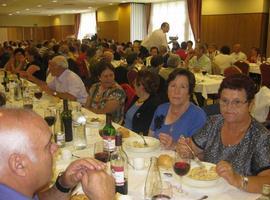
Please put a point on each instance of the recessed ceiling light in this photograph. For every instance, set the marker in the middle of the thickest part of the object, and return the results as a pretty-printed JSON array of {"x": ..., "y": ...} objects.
[
  {"x": 4, "y": 4},
  {"x": 123, "y": 1},
  {"x": 17, "y": 12},
  {"x": 110, "y": 4},
  {"x": 89, "y": 7},
  {"x": 10, "y": 14},
  {"x": 27, "y": 9},
  {"x": 54, "y": 1},
  {"x": 39, "y": 5}
]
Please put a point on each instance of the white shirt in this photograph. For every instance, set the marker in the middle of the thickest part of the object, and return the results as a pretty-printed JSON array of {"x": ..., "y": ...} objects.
[
  {"x": 223, "y": 61},
  {"x": 239, "y": 56},
  {"x": 203, "y": 62},
  {"x": 71, "y": 83},
  {"x": 156, "y": 39}
]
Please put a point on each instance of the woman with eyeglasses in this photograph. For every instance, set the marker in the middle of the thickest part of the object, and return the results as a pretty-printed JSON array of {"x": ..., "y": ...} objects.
[
  {"x": 236, "y": 142},
  {"x": 179, "y": 116}
]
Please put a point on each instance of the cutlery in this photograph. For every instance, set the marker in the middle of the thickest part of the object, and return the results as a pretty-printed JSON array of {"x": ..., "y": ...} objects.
[
  {"x": 203, "y": 197},
  {"x": 145, "y": 144}
]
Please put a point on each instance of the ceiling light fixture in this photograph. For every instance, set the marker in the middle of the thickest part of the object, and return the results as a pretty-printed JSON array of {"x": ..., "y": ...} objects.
[
  {"x": 10, "y": 14},
  {"x": 4, "y": 4},
  {"x": 110, "y": 4},
  {"x": 18, "y": 12},
  {"x": 39, "y": 6},
  {"x": 27, "y": 9},
  {"x": 54, "y": 1},
  {"x": 89, "y": 7}
]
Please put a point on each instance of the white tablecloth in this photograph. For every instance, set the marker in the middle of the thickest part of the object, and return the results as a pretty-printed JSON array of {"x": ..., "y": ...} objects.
[{"x": 208, "y": 84}]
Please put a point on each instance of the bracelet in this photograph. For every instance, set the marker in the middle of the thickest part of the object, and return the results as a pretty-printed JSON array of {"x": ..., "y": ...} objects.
[
  {"x": 60, "y": 187},
  {"x": 244, "y": 182}
]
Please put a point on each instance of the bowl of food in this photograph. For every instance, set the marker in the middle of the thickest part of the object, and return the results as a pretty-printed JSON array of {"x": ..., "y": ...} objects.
[
  {"x": 79, "y": 197},
  {"x": 202, "y": 176},
  {"x": 136, "y": 144}
]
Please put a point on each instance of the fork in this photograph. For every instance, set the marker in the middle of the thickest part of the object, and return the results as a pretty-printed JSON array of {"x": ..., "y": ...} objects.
[{"x": 141, "y": 134}]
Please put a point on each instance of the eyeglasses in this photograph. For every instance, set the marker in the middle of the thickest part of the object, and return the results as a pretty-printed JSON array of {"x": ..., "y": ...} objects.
[{"x": 233, "y": 103}]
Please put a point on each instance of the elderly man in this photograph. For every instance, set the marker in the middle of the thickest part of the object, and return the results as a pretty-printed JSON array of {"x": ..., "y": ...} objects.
[
  {"x": 66, "y": 84},
  {"x": 26, "y": 157},
  {"x": 237, "y": 54},
  {"x": 157, "y": 38},
  {"x": 173, "y": 62}
]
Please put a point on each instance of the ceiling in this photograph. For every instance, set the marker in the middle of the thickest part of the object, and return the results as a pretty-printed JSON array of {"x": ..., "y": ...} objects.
[{"x": 56, "y": 7}]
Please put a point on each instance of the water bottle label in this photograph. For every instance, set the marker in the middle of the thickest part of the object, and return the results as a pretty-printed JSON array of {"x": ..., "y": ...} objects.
[
  {"x": 60, "y": 139},
  {"x": 118, "y": 174},
  {"x": 109, "y": 143}
]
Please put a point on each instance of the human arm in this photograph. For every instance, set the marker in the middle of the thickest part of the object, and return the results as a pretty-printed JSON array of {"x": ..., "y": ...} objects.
[
  {"x": 110, "y": 106},
  {"x": 71, "y": 177},
  {"x": 255, "y": 183}
]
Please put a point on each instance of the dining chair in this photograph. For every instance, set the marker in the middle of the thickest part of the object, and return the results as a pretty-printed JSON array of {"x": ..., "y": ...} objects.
[
  {"x": 265, "y": 74},
  {"x": 231, "y": 71},
  {"x": 243, "y": 66}
]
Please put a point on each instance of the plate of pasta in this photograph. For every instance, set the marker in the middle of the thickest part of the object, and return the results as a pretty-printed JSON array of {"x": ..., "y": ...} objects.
[
  {"x": 202, "y": 176},
  {"x": 136, "y": 144}
]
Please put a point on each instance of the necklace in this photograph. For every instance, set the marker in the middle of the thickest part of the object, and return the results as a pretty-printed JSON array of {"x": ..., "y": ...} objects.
[{"x": 141, "y": 101}]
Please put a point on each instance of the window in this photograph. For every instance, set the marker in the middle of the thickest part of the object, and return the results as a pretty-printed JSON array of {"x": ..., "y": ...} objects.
[
  {"x": 88, "y": 25},
  {"x": 137, "y": 22},
  {"x": 176, "y": 14}
]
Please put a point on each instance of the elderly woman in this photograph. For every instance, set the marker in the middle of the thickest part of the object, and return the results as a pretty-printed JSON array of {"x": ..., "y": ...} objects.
[
  {"x": 17, "y": 62},
  {"x": 139, "y": 115},
  {"x": 235, "y": 141},
  {"x": 179, "y": 116},
  {"x": 106, "y": 96}
]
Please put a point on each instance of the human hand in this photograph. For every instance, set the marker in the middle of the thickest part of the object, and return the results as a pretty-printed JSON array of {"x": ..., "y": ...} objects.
[
  {"x": 75, "y": 171},
  {"x": 225, "y": 170},
  {"x": 166, "y": 140},
  {"x": 98, "y": 185},
  {"x": 182, "y": 147}
]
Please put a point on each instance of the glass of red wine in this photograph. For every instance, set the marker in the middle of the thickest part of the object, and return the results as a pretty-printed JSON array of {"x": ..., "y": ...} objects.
[
  {"x": 181, "y": 166},
  {"x": 204, "y": 72},
  {"x": 49, "y": 116},
  {"x": 99, "y": 152},
  {"x": 38, "y": 93}
]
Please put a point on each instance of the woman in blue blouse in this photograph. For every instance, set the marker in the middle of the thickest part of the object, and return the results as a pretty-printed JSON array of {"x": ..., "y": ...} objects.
[{"x": 179, "y": 116}]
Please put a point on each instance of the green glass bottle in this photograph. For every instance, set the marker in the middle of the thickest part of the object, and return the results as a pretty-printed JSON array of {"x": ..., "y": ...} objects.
[
  {"x": 66, "y": 118},
  {"x": 108, "y": 134}
]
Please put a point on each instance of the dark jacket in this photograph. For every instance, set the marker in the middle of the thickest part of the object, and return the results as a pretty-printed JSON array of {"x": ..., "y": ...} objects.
[{"x": 143, "y": 117}]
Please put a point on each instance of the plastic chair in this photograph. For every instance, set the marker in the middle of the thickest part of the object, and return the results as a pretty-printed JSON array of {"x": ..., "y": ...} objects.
[
  {"x": 231, "y": 71},
  {"x": 243, "y": 66},
  {"x": 265, "y": 74}
]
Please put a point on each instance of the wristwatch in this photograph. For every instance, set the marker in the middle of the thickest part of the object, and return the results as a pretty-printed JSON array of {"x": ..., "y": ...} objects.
[
  {"x": 59, "y": 186},
  {"x": 54, "y": 93}
]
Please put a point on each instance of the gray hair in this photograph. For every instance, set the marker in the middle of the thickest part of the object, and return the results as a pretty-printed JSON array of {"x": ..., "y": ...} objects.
[
  {"x": 61, "y": 61},
  {"x": 173, "y": 61}
]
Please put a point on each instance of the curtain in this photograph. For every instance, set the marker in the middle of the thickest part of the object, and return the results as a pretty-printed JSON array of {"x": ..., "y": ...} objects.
[
  {"x": 77, "y": 24},
  {"x": 88, "y": 25},
  {"x": 195, "y": 13},
  {"x": 147, "y": 14},
  {"x": 137, "y": 21},
  {"x": 175, "y": 13}
]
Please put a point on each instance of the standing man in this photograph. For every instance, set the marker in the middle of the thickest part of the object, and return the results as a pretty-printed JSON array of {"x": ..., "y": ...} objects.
[
  {"x": 26, "y": 160},
  {"x": 157, "y": 38}
]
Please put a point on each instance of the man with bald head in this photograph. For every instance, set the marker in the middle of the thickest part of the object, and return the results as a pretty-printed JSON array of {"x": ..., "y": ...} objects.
[
  {"x": 237, "y": 54},
  {"x": 26, "y": 157},
  {"x": 66, "y": 84}
]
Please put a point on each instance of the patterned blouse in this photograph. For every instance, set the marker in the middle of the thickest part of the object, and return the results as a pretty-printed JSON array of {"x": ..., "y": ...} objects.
[
  {"x": 113, "y": 93},
  {"x": 249, "y": 157}
]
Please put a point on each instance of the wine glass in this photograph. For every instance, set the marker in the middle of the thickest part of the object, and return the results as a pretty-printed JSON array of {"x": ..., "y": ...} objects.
[
  {"x": 37, "y": 93},
  {"x": 165, "y": 192},
  {"x": 181, "y": 166},
  {"x": 204, "y": 72},
  {"x": 99, "y": 152},
  {"x": 49, "y": 116}
]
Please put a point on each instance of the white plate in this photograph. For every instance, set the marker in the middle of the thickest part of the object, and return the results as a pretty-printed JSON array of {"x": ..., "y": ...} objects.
[
  {"x": 200, "y": 183},
  {"x": 153, "y": 144}
]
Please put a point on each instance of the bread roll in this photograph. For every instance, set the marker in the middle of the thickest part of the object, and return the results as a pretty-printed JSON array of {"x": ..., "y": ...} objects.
[
  {"x": 124, "y": 132},
  {"x": 165, "y": 161},
  {"x": 79, "y": 197}
]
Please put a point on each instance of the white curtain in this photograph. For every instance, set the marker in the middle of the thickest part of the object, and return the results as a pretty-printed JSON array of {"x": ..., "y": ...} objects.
[
  {"x": 137, "y": 22},
  {"x": 176, "y": 14},
  {"x": 88, "y": 26}
]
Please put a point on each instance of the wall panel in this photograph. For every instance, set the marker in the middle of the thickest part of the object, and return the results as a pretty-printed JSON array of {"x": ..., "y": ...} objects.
[
  {"x": 247, "y": 29},
  {"x": 108, "y": 30}
]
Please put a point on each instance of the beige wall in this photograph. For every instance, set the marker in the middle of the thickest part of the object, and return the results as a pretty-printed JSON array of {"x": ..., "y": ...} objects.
[
  {"x": 110, "y": 13},
  {"x": 214, "y": 7},
  {"x": 59, "y": 20},
  {"x": 24, "y": 21}
]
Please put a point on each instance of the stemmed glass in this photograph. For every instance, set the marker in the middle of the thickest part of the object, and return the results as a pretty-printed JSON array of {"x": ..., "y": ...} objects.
[
  {"x": 181, "y": 167},
  {"x": 50, "y": 116}
]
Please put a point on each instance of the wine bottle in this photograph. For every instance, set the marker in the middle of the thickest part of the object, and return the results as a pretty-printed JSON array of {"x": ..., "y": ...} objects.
[
  {"x": 108, "y": 134},
  {"x": 119, "y": 166},
  {"x": 66, "y": 118},
  {"x": 6, "y": 81},
  {"x": 18, "y": 89},
  {"x": 59, "y": 135}
]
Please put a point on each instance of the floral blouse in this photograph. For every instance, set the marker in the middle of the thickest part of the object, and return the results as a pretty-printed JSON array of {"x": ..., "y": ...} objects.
[
  {"x": 249, "y": 157},
  {"x": 114, "y": 93}
]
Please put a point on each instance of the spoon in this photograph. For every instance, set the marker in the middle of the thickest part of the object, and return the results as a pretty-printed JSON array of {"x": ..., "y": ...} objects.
[
  {"x": 203, "y": 197},
  {"x": 141, "y": 134}
]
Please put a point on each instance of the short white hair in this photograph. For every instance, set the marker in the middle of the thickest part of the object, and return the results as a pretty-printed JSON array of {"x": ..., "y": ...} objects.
[
  {"x": 61, "y": 61},
  {"x": 14, "y": 140}
]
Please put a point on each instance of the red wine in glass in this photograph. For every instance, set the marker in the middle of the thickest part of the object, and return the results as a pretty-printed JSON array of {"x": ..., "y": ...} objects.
[
  {"x": 181, "y": 168},
  {"x": 38, "y": 95},
  {"x": 28, "y": 106},
  {"x": 50, "y": 120},
  {"x": 161, "y": 197},
  {"x": 204, "y": 72},
  {"x": 102, "y": 156}
]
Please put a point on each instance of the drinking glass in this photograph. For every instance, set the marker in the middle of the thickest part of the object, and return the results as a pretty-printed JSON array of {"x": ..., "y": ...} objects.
[
  {"x": 27, "y": 103},
  {"x": 37, "y": 93},
  {"x": 99, "y": 152},
  {"x": 165, "y": 192},
  {"x": 181, "y": 167},
  {"x": 49, "y": 116}
]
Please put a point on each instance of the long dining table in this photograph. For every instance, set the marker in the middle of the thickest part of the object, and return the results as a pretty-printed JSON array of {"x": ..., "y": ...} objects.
[{"x": 136, "y": 178}]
